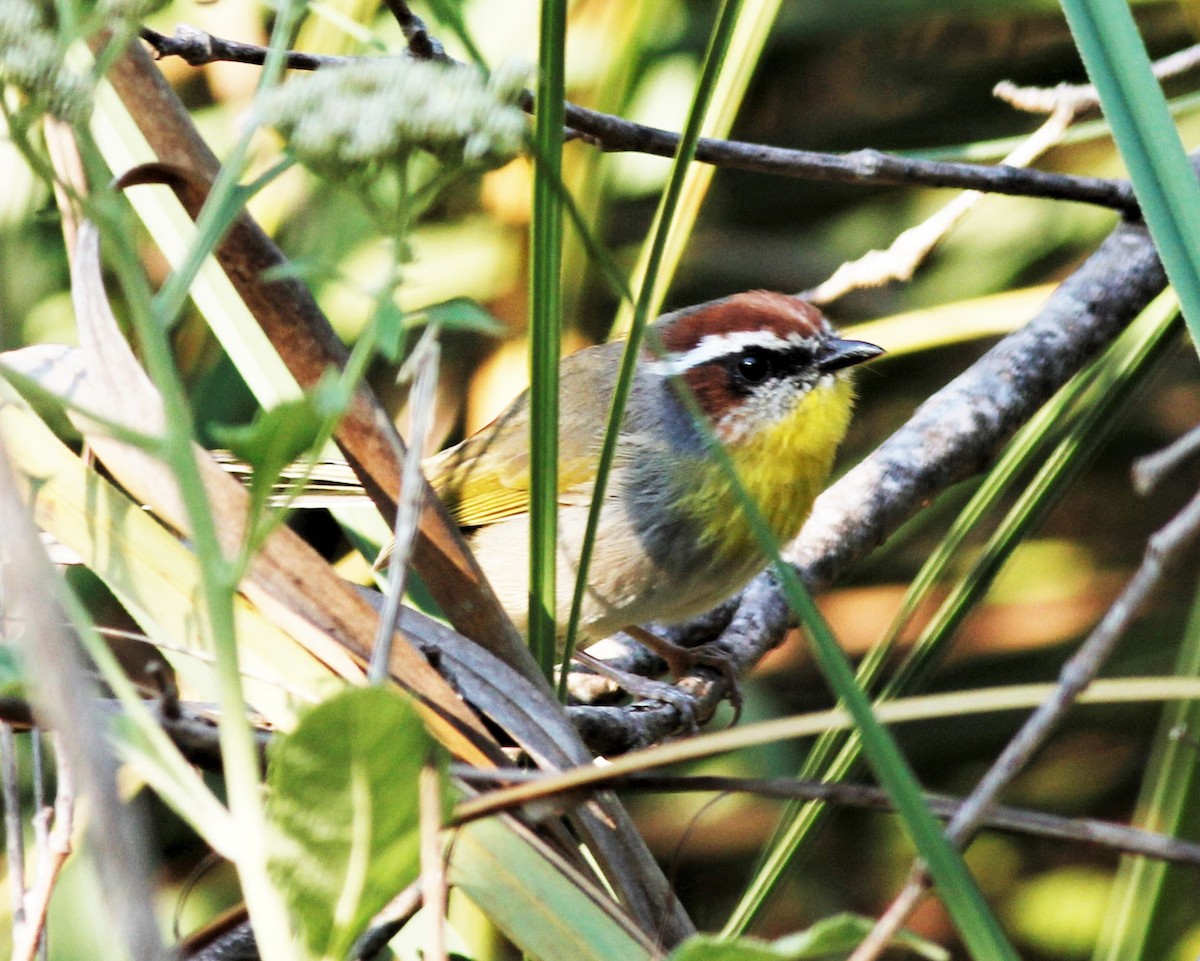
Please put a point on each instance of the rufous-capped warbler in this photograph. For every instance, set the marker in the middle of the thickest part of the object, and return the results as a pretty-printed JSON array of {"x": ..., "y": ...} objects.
[{"x": 769, "y": 373}]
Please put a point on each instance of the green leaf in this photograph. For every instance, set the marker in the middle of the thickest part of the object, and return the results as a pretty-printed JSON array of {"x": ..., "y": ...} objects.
[
  {"x": 458, "y": 313},
  {"x": 538, "y": 900},
  {"x": 277, "y": 437},
  {"x": 343, "y": 813},
  {"x": 391, "y": 325},
  {"x": 842, "y": 933},
  {"x": 833, "y": 937}
]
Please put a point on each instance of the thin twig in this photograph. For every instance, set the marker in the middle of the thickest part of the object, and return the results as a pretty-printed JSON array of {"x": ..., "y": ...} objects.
[
  {"x": 911, "y": 248},
  {"x": 1103, "y": 834},
  {"x": 199, "y": 47},
  {"x": 422, "y": 366},
  {"x": 616, "y": 134},
  {"x": 421, "y": 45},
  {"x": 433, "y": 863},
  {"x": 67, "y": 701},
  {"x": 14, "y": 834},
  {"x": 388, "y": 922},
  {"x": 1163, "y": 548},
  {"x": 55, "y": 826},
  {"x": 42, "y": 825},
  {"x": 1149, "y": 471},
  {"x": 890, "y": 922},
  {"x": 194, "y": 731},
  {"x": 1046, "y": 99}
]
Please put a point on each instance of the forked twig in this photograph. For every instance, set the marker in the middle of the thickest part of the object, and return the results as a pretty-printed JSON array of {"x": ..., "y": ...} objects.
[
  {"x": 1163, "y": 548},
  {"x": 910, "y": 249}
]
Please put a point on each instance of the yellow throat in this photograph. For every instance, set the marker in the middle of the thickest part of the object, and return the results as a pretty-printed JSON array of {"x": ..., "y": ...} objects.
[{"x": 783, "y": 468}]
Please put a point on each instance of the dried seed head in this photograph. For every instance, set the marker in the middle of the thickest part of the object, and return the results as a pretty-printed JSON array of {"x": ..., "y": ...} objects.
[
  {"x": 342, "y": 120},
  {"x": 31, "y": 59}
]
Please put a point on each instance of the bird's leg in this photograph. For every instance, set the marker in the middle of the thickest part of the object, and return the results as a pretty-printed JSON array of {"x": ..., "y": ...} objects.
[{"x": 681, "y": 659}]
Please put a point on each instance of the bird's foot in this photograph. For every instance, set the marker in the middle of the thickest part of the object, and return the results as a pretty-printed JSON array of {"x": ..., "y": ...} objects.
[
  {"x": 682, "y": 659},
  {"x": 647, "y": 688}
]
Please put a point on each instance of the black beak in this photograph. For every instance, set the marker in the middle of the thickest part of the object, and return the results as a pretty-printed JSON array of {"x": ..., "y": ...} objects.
[{"x": 836, "y": 353}]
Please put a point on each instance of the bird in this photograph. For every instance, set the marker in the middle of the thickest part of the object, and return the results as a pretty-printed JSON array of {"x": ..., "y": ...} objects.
[{"x": 770, "y": 377}]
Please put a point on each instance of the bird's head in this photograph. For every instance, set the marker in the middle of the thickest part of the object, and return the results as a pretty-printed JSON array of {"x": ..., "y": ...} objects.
[{"x": 755, "y": 360}]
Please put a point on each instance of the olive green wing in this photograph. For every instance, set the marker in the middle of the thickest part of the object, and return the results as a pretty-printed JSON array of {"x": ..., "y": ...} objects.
[{"x": 486, "y": 478}]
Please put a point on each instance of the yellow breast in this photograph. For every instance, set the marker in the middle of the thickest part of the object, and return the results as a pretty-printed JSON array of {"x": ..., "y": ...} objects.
[{"x": 783, "y": 468}]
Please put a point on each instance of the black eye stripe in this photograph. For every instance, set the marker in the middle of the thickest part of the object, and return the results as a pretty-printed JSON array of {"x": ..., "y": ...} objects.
[{"x": 755, "y": 365}]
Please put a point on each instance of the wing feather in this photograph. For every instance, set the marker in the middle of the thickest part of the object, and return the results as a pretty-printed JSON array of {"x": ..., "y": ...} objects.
[{"x": 485, "y": 479}]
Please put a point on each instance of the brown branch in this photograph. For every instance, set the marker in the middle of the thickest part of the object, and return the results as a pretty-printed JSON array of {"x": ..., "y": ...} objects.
[
  {"x": 199, "y": 47},
  {"x": 421, "y": 45},
  {"x": 860, "y": 167},
  {"x": 190, "y": 727},
  {"x": 1090, "y": 831},
  {"x": 616, "y": 134}
]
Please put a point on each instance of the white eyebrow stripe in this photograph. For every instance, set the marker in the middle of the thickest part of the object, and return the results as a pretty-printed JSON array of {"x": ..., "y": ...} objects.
[{"x": 712, "y": 346}]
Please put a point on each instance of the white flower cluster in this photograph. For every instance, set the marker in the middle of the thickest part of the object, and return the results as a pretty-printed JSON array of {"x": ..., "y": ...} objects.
[
  {"x": 31, "y": 59},
  {"x": 344, "y": 119}
]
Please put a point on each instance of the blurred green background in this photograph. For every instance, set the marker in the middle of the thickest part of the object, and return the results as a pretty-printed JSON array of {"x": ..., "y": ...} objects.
[{"x": 896, "y": 76}]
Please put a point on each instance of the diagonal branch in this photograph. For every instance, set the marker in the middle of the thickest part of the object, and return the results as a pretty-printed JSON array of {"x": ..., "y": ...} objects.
[
  {"x": 1163, "y": 548},
  {"x": 955, "y": 434}
]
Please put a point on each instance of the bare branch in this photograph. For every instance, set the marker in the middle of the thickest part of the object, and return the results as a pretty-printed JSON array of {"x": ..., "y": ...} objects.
[
  {"x": 1103, "y": 834},
  {"x": 1047, "y": 99},
  {"x": 910, "y": 249},
  {"x": 421, "y": 45},
  {"x": 1163, "y": 548},
  {"x": 193, "y": 730},
  {"x": 956, "y": 433},
  {"x": 616, "y": 134},
  {"x": 199, "y": 47},
  {"x": 53, "y": 828},
  {"x": 14, "y": 832},
  {"x": 1149, "y": 471}
]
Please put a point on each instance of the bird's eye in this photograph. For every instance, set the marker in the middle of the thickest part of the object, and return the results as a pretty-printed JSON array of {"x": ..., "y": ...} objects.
[{"x": 752, "y": 367}]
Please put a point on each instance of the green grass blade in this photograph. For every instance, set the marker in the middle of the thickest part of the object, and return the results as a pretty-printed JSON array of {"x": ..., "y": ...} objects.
[
  {"x": 718, "y": 45},
  {"x": 974, "y": 919},
  {"x": 546, "y": 333},
  {"x": 1139, "y": 922},
  {"x": 972, "y": 916},
  {"x": 1133, "y": 102},
  {"x": 538, "y": 900},
  {"x": 1096, "y": 396},
  {"x": 734, "y": 71}
]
